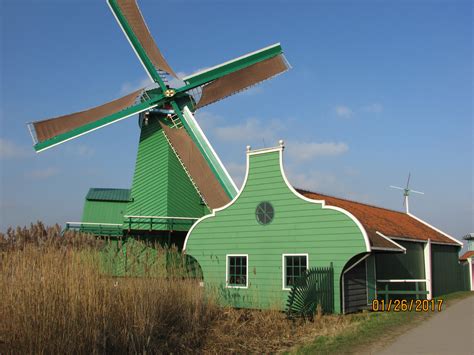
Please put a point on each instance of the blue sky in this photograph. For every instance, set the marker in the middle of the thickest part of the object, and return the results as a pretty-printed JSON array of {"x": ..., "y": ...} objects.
[{"x": 377, "y": 89}]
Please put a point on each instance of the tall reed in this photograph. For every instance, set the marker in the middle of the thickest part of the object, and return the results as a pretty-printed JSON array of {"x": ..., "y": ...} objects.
[
  {"x": 55, "y": 298},
  {"x": 56, "y": 301}
]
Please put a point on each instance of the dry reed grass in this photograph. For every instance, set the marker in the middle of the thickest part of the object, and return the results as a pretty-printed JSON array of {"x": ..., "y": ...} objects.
[
  {"x": 42, "y": 236},
  {"x": 55, "y": 300}
]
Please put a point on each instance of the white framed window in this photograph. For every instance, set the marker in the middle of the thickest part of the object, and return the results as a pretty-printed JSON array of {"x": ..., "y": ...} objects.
[
  {"x": 237, "y": 271},
  {"x": 293, "y": 267}
]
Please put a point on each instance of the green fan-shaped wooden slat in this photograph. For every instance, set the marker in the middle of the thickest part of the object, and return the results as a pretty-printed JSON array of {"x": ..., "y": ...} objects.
[{"x": 313, "y": 288}]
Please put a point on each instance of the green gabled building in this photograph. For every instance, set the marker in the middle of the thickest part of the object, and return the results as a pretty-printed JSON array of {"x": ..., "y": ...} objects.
[{"x": 254, "y": 249}]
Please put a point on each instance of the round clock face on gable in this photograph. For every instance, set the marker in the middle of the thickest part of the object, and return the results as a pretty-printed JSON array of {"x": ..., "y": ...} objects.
[{"x": 264, "y": 212}]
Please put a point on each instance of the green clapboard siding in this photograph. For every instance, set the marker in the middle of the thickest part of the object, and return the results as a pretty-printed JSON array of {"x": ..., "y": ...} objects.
[
  {"x": 299, "y": 226},
  {"x": 103, "y": 212},
  {"x": 160, "y": 186},
  {"x": 447, "y": 273}
]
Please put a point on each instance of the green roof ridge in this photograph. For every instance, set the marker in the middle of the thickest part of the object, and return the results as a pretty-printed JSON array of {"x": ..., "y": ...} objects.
[{"x": 109, "y": 194}]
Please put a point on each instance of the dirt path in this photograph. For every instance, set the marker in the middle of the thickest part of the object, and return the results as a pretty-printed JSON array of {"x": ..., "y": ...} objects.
[{"x": 448, "y": 332}]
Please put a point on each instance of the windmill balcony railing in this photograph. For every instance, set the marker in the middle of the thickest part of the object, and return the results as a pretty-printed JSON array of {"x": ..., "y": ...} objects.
[
  {"x": 385, "y": 291},
  {"x": 102, "y": 229},
  {"x": 153, "y": 222}
]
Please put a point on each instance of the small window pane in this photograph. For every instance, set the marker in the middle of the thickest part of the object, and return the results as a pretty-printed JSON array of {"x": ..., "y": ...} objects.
[
  {"x": 237, "y": 272},
  {"x": 295, "y": 267}
]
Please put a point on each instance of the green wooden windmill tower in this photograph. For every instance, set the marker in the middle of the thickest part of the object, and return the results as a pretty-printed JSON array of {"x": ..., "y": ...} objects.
[{"x": 178, "y": 175}]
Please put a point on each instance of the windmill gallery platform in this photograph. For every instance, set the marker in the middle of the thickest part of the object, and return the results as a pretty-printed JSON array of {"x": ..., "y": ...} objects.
[{"x": 251, "y": 244}]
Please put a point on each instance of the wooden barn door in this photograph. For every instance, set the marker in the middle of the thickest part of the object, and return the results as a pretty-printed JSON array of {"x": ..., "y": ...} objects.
[{"x": 355, "y": 288}]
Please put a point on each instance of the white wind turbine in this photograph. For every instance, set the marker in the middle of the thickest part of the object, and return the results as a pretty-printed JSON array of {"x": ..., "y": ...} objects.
[{"x": 406, "y": 193}]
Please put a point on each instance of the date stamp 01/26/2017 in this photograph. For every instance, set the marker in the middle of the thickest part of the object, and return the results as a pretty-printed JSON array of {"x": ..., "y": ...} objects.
[{"x": 407, "y": 305}]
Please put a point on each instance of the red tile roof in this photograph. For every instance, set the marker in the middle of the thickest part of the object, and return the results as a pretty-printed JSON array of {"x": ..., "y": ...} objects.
[
  {"x": 388, "y": 222},
  {"x": 467, "y": 254}
]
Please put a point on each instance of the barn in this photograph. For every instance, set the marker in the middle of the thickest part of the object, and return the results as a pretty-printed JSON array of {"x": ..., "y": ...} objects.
[{"x": 252, "y": 250}]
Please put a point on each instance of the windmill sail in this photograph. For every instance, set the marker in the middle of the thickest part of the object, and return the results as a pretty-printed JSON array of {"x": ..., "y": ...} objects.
[
  {"x": 236, "y": 75},
  {"x": 242, "y": 79},
  {"x": 56, "y": 130},
  {"x": 131, "y": 20},
  {"x": 199, "y": 171}
]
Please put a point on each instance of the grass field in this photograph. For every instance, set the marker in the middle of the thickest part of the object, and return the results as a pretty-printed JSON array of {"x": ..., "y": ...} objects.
[{"x": 56, "y": 299}]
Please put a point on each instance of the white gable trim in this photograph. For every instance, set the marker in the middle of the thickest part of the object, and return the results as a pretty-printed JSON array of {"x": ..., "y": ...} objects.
[
  {"x": 391, "y": 241},
  {"x": 470, "y": 262},
  {"x": 291, "y": 188},
  {"x": 436, "y": 229},
  {"x": 213, "y": 213},
  {"x": 323, "y": 203}
]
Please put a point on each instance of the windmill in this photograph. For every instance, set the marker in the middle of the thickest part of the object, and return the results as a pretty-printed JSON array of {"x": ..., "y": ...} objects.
[
  {"x": 178, "y": 175},
  {"x": 406, "y": 193}
]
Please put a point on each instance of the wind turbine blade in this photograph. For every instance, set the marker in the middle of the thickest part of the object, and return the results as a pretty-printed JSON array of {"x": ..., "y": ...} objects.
[
  {"x": 408, "y": 181},
  {"x": 396, "y": 187},
  {"x": 417, "y": 192}
]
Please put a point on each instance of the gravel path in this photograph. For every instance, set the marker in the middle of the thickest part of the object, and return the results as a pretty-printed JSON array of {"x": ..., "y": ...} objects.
[{"x": 449, "y": 332}]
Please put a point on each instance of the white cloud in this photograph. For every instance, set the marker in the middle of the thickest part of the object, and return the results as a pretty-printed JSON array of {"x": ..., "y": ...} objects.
[
  {"x": 374, "y": 108},
  {"x": 42, "y": 173},
  {"x": 129, "y": 87},
  {"x": 177, "y": 83},
  {"x": 80, "y": 150},
  {"x": 208, "y": 120},
  {"x": 313, "y": 180},
  {"x": 252, "y": 130},
  {"x": 237, "y": 171},
  {"x": 11, "y": 150},
  {"x": 254, "y": 90},
  {"x": 325, "y": 183},
  {"x": 85, "y": 151},
  {"x": 301, "y": 151},
  {"x": 343, "y": 111}
]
